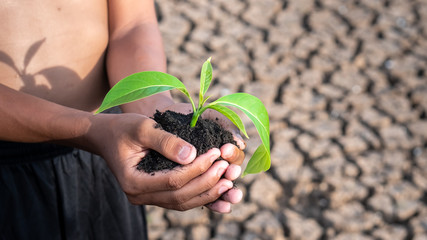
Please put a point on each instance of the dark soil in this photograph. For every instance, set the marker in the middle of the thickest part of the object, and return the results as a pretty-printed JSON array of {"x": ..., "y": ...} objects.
[{"x": 207, "y": 134}]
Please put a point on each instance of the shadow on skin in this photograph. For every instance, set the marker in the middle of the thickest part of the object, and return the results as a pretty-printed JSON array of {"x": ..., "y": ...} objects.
[
  {"x": 52, "y": 75},
  {"x": 29, "y": 78}
]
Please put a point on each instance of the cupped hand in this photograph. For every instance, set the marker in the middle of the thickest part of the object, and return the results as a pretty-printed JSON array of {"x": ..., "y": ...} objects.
[
  {"x": 124, "y": 139},
  {"x": 230, "y": 152},
  {"x": 233, "y": 154}
]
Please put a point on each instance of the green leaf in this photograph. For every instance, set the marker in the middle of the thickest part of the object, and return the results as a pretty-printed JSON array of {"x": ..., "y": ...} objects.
[
  {"x": 230, "y": 114},
  {"x": 204, "y": 100},
  {"x": 141, "y": 85},
  {"x": 260, "y": 161},
  {"x": 205, "y": 80},
  {"x": 256, "y": 111}
]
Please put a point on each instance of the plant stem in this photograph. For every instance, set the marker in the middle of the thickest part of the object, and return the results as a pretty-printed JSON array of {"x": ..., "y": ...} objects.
[
  {"x": 192, "y": 105},
  {"x": 196, "y": 115},
  {"x": 194, "y": 119}
]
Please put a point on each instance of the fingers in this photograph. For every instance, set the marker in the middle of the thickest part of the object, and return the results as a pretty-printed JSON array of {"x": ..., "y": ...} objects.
[
  {"x": 204, "y": 183},
  {"x": 223, "y": 205},
  {"x": 238, "y": 138},
  {"x": 233, "y": 196},
  {"x": 197, "y": 182},
  {"x": 232, "y": 154},
  {"x": 233, "y": 172},
  {"x": 170, "y": 146},
  {"x": 202, "y": 199},
  {"x": 178, "y": 177},
  {"x": 190, "y": 186},
  {"x": 201, "y": 190},
  {"x": 220, "y": 206},
  {"x": 208, "y": 181}
]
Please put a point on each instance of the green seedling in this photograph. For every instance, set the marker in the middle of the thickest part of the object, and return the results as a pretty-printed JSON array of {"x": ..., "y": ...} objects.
[{"x": 144, "y": 84}]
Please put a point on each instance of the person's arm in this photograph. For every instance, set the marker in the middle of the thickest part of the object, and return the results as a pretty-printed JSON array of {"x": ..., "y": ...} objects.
[
  {"x": 25, "y": 118},
  {"x": 122, "y": 140},
  {"x": 135, "y": 45}
]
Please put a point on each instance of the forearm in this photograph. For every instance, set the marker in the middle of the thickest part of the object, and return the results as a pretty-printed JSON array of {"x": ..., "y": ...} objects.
[
  {"x": 134, "y": 47},
  {"x": 137, "y": 49},
  {"x": 25, "y": 118}
]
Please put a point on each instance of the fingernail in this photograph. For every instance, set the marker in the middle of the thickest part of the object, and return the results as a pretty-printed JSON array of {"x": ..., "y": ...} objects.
[
  {"x": 184, "y": 153},
  {"x": 230, "y": 154},
  {"x": 222, "y": 168},
  {"x": 215, "y": 155},
  {"x": 237, "y": 171}
]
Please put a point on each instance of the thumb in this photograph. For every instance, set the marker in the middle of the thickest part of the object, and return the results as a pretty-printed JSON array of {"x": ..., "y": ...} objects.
[{"x": 171, "y": 146}]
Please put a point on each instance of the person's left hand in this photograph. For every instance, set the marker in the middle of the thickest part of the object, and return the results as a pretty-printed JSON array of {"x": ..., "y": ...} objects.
[{"x": 229, "y": 152}]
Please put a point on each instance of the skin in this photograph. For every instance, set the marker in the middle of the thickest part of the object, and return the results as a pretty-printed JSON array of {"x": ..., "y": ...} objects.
[{"x": 57, "y": 61}]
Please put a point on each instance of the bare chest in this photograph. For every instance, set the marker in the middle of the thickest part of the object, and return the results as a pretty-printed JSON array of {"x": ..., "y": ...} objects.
[{"x": 55, "y": 49}]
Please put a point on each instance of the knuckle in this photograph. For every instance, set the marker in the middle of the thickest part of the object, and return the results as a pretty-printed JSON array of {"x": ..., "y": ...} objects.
[
  {"x": 167, "y": 143},
  {"x": 209, "y": 198},
  {"x": 174, "y": 182},
  {"x": 201, "y": 168},
  {"x": 181, "y": 207},
  {"x": 178, "y": 199},
  {"x": 211, "y": 182},
  {"x": 145, "y": 130},
  {"x": 164, "y": 140},
  {"x": 148, "y": 123}
]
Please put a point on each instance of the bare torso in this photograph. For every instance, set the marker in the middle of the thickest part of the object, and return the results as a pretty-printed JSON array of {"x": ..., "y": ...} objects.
[{"x": 55, "y": 50}]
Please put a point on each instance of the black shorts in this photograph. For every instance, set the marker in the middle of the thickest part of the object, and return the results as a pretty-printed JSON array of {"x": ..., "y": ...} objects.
[{"x": 54, "y": 192}]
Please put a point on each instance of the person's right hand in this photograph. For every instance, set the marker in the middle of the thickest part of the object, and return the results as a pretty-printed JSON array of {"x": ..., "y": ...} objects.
[
  {"x": 124, "y": 139},
  {"x": 231, "y": 153}
]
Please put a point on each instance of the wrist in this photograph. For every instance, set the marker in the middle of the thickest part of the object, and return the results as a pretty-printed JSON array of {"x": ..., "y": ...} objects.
[
  {"x": 78, "y": 133},
  {"x": 95, "y": 133}
]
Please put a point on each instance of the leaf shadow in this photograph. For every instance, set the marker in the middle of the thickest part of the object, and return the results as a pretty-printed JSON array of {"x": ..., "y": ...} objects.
[
  {"x": 32, "y": 51},
  {"x": 50, "y": 73},
  {"x": 6, "y": 59}
]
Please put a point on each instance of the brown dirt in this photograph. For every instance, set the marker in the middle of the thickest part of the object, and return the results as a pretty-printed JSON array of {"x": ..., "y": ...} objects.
[{"x": 207, "y": 134}]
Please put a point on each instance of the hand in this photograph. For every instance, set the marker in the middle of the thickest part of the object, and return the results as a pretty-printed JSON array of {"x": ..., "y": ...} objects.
[
  {"x": 123, "y": 139},
  {"x": 232, "y": 154}
]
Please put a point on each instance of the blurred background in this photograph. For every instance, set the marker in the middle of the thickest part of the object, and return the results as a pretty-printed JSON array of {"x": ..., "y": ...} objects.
[{"x": 345, "y": 85}]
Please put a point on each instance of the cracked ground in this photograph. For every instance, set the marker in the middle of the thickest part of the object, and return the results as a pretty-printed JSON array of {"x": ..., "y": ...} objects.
[{"x": 345, "y": 85}]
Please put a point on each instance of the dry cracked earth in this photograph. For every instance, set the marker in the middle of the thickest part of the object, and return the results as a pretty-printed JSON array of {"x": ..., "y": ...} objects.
[{"x": 345, "y": 85}]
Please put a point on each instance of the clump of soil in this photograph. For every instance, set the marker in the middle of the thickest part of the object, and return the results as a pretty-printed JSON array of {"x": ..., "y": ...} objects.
[{"x": 207, "y": 134}]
